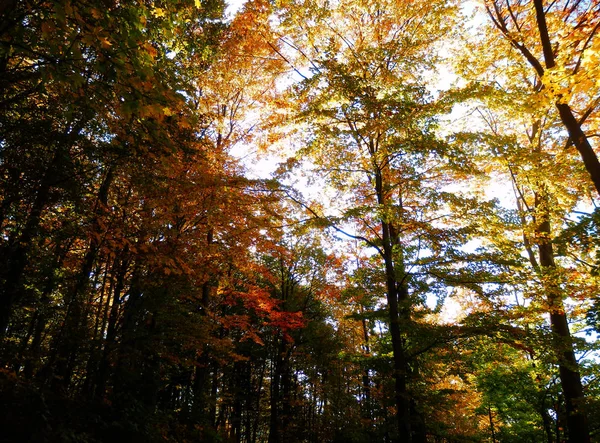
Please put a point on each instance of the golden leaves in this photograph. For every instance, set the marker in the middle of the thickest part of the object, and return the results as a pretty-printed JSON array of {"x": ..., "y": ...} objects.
[
  {"x": 159, "y": 12},
  {"x": 105, "y": 42}
]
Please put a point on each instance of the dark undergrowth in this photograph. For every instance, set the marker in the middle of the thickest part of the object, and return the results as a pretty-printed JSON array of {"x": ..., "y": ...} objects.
[{"x": 30, "y": 413}]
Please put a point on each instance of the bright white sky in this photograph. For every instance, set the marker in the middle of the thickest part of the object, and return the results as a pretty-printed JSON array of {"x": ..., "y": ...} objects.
[{"x": 233, "y": 6}]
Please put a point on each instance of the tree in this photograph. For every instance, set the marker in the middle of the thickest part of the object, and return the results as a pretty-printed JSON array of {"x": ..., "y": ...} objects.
[
  {"x": 149, "y": 288},
  {"x": 558, "y": 41},
  {"x": 372, "y": 140},
  {"x": 529, "y": 157},
  {"x": 83, "y": 86}
]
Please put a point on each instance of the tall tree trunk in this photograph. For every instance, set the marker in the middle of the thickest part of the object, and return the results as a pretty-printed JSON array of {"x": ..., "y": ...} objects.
[
  {"x": 111, "y": 331},
  {"x": 16, "y": 255},
  {"x": 366, "y": 379},
  {"x": 257, "y": 415},
  {"x": 200, "y": 406},
  {"x": 396, "y": 293},
  {"x": 402, "y": 399},
  {"x": 548, "y": 271},
  {"x": 130, "y": 365},
  {"x": 276, "y": 378},
  {"x": 73, "y": 331},
  {"x": 577, "y": 423},
  {"x": 95, "y": 340},
  {"x": 547, "y": 421},
  {"x": 238, "y": 381},
  {"x": 286, "y": 434},
  {"x": 576, "y": 134},
  {"x": 492, "y": 430}
]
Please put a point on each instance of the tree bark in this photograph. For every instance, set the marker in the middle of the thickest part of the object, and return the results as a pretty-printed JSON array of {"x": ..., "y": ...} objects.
[
  {"x": 276, "y": 377},
  {"x": 571, "y": 124},
  {"x": 111, "y": 332},
  {"x": 366, "y": 379},
  {"x": 581, "y": 143},
  {"x": 397, "y": 292},
  {"x": 576, "y": 134},
  {"x": 73, "y": 332},
  {"x": 16, "y": 258},
  {"x": 577, "y": 423}
]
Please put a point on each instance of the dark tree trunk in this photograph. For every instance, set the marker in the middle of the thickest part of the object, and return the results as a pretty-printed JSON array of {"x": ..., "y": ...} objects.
[
  {"x": 238, "y": 380},
  {"x": 492, "y": 430},
  {"x": 581, "y": 143},
  {"x": 257, "y": 415},
  {"x": 111, "y": 331},
  {"x": 397, "y": 296},
  {"x": 402, "y": 399},
  {"x": 74, "y": 330},
  {"x": 577, "y": 424},
  {"x": 200, "y": 407},
  {"x": 127, "y": 365},
  {"x": 42, "y": 312},
  {"x": 576, "y": 134},
  {"x": 276, "y": 379},
  {"x": 366, "y": 379},
  {"x": 16, "y": 255}
]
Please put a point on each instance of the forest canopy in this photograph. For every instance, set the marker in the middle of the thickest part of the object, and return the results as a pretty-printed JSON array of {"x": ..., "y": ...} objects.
[{"x": 300, "y": 221}]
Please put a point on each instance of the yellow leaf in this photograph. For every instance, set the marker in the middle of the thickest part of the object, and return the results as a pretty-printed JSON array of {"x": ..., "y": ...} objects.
[
  {"x": 158, "y": 12},
  {"x": 198, "y": 4},
  {"x": 105, "y": 42}
]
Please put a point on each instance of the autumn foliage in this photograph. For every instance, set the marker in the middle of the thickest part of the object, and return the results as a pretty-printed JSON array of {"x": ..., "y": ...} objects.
[{"x": 419, "y": 263}]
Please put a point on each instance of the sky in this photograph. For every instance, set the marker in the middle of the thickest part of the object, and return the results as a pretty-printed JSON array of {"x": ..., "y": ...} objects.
[{"x": 233, "y": 6}]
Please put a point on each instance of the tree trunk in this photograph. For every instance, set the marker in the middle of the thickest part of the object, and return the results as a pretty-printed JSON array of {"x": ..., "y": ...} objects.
[
  {"x": 492, "y": 430},
  {"x": 74, "y": 330},
  {"x": 111, "y": 332},
  {"x": 576, "y": 134},
  {"x": 257, "y": 415},
  {"x": 581, "y": 143},
  {"x": 127, "y": 363},
  {"x": 238, "y": 382},
  {"x": 577, "y": 424},
  {"x": 397, "y": 293},
  {"x": 401, "y": 394},
  {"x": 16, "y": 257},
  {"x": 276, "y": 378},
  {"x": 366, "y": 379},
  {"x": 200, "y": 406}
]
